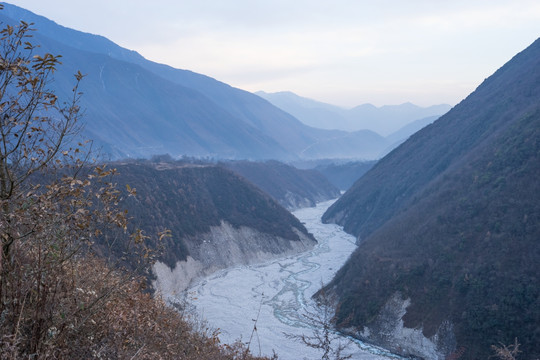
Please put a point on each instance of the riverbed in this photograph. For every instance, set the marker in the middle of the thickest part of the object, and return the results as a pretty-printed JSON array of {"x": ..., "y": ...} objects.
[{"x": 272, "y": 297}]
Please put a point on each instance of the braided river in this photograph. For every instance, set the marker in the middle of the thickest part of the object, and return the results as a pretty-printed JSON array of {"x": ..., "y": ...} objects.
[{"x": 262, "y": 303}]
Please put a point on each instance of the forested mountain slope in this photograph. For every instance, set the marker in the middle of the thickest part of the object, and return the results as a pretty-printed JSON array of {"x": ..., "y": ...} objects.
[
  {"x": 216, "y": 218},
  {"x": 291, "y": 187},
  {"x": 345, "y": 174},
  {"x": 450, "y": 221}
]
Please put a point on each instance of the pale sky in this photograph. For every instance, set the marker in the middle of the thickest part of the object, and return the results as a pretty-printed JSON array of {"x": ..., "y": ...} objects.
[{"x": 344, "y": 52}]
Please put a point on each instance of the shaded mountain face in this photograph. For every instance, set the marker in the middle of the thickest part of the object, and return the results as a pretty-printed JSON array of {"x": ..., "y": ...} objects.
[
  {"x": 133, "y": 112},
  {"x": 343, "y": 175},
  {"x": 291, "y": 187},
  {"x": 138, "y": 108},
  {"x": 383, "y": 120},
  {"x": 406, "y": 131},
  {"x": 448, "y": 226},
  {"x": 216, "y": 218}
]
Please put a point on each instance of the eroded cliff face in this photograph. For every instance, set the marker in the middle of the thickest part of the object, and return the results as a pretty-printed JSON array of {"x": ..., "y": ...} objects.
[
  {"x": 222, "y": 247},
  {"x": 389, "y": 332}
]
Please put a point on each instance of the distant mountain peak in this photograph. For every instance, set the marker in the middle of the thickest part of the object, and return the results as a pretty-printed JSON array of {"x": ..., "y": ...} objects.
[
  {"x": 383, "y": 120},
  {"x": 149, "y": 108}
]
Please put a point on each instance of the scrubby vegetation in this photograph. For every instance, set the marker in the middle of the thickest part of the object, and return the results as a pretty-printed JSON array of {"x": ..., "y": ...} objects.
[
  {"x": 91, "y": 311},
  {"x": 60, "y": 298}
]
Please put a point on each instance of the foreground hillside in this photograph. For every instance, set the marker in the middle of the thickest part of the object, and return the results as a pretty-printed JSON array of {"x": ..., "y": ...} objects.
[
  {"x": 449, "y": 227},
  {"x": 59, "y": 299},
  {"x": 216, "y": 218}
]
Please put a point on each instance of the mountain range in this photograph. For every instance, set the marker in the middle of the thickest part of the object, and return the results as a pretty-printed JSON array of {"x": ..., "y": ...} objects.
[
  {"x": 137, "y": 108},
  {"x": 448, "y": 226},
  {"x": 384, "y": 120}
]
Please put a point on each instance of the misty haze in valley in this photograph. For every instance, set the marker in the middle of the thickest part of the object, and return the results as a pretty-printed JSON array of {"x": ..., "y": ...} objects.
[{"x": 150, "y": 211}]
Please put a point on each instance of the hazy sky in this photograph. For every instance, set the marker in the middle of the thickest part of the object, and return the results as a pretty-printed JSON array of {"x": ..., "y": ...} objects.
[{"x": 345, "y": 52}]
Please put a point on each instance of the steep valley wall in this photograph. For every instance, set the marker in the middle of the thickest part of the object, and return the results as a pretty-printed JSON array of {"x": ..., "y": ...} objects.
[
  {"x": 216, "y": 218},
  {"x": 222, "y": 247}
]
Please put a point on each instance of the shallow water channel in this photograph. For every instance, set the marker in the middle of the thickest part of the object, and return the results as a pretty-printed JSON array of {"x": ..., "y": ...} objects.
[{"x": 278, "y": 292}]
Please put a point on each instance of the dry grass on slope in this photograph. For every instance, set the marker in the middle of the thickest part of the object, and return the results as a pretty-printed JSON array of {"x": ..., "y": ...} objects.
[{"x": 102, "y": 314}]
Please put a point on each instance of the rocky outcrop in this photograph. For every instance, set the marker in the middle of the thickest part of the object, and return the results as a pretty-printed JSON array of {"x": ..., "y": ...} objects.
[
  {"x": 389, "y": 332},
  {"x": 222, "y": 247}
]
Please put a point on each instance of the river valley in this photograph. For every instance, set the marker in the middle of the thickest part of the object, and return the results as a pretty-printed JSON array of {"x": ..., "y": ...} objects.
[{"x": 273, "y": 295}]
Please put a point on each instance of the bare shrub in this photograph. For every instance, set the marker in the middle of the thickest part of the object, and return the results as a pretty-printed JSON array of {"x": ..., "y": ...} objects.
[
  {"x": 323, "y": 336},
  {"x": 507, "y": 352},
  {"x": 59, "y": 297}
]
